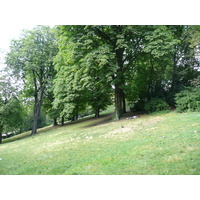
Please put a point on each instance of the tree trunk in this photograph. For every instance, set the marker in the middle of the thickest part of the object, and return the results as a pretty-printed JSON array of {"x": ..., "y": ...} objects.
[
  {"x": 119, "y": 83},
  {"x": 62, "y": 120},
  {"x": 174, "y": 75},
  {"x": 37, "y": 106},
  {"x": 76, "y": 117},
  {"x": 73, "y": 118},
  {"x": 76, "y": 112},
  {"x": 123, "y": 102},
  {"x": 97, "y": 113},
  {"x": 118, "y": 103},
  {"x": 1, "y": 130},
  {"x": 36, "y": 117},
  {"x": 150, "y": 80},
  {"x": 55, "y": 123}
]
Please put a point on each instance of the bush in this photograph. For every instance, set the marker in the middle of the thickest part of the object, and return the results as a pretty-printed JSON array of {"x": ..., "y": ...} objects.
[
  {"x": 155, "y": 105},
  {"x": 136, "y": 106},
  {"x": 188, "y": 100}
]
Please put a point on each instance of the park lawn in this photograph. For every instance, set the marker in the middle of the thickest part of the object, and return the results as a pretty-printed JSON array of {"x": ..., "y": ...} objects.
[{"x": 156, "y": 144}]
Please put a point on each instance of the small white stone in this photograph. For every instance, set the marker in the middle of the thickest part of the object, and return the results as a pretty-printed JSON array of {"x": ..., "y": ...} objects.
[
  {"x": 0, "y": 158},
  {"x": 195, "y": 131}
]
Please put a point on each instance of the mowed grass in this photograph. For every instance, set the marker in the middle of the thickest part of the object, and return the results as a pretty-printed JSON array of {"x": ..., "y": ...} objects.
[{"x": 156, "y": 144}]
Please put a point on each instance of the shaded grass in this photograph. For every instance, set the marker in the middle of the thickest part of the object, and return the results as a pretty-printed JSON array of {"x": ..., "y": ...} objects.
[{"x": 161, "y": 143}]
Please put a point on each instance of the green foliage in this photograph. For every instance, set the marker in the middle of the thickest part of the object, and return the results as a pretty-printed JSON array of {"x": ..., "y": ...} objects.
[
  {"x": 31, "y": 58},
  {"x": 136, "y": 105},
  {"x": 160, "y": 41},
  {"x": 83, "y": 68},
  {"x": 11, "y": 108},
  {"x": 28, "y": 121},
  {"x": 188, "y": 100},
  {"x": 11, "y": 114},
  {"x": 155, "y": 105},
  {"x": 193, "y": 33},
  {"x": 95, "y": 66},
  {"x": 195, "y": 82}
]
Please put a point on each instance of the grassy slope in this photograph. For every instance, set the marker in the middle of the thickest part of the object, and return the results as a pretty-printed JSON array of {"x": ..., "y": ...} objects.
[{"x": 102, "y": 146}]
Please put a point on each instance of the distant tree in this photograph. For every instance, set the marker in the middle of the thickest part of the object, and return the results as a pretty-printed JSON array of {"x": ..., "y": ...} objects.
[
  {"x": 1, "y": 56},
  {"x": 165, "y": 66},
  {"x": 193, "y": 33},
  {"x": 11, "y": 109},
  {"x": 31, "y": 58}
]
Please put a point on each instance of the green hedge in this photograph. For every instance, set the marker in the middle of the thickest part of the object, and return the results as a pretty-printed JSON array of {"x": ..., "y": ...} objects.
[
  {"x": 156, "y": 104},
  {"x": 188, "y": 100}
]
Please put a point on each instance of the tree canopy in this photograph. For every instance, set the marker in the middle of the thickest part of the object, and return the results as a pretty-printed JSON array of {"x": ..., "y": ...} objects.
[
  {"x": 31, "y": 58},
  {"x": 75, "y": 69},
  {"x": 130, "y": 60}
]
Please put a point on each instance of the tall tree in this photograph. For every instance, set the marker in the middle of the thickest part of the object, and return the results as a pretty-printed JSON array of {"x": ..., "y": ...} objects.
[
  {"x": 31, "y": 57},
  {"x": 138, "y": 62},
  {"x": 78, "y": 82},
  {"x": 112, "y": 49}
]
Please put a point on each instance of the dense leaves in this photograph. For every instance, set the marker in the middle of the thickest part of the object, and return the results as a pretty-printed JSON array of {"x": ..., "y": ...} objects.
[
  {"x": 156, "y": 104},
  {"x": 11, "y": 115},
  {"x": 188, "y": 100},
  {"x": 72, "y": 70},
  {"x": 31, "y": 58}
]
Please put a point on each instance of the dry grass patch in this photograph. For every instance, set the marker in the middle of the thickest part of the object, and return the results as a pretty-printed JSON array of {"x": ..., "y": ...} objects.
[{"x": 174, "y": 158}]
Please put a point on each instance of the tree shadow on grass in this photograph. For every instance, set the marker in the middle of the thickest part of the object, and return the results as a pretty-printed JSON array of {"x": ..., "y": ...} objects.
[
  {"x": 16, "y": 137},
  {"x": 28, "y": 134},
  {"x": 50, "y": 128},
  {"x": 103, "y": 119},
  {"x": 90, "y": 121}
]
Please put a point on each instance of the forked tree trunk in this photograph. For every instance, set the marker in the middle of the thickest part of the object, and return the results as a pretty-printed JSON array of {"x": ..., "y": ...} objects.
[
  {"x": 37, "y": 106},
  {"x": 36, "y": 118}
]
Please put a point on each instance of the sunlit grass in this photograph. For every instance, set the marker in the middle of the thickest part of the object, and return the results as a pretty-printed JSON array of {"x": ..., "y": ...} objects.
[{"x": 162, "y": 143}]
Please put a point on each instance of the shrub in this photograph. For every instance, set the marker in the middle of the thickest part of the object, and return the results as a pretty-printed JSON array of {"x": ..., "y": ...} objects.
[
  {"x": 136, "y": 106},
  {"x": 156, "y": 104},
  {"x": 188, "y": 100}
]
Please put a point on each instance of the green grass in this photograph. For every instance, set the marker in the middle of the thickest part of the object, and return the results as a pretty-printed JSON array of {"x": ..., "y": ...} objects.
[{"x": 157, "y": 144}]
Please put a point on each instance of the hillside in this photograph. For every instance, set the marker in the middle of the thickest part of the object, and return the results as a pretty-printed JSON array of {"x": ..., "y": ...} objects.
[{"x": 162, "y": 143}]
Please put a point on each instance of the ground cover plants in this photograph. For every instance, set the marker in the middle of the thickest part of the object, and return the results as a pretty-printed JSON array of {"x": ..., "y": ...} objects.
[{"x": 155, "y": 144}]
